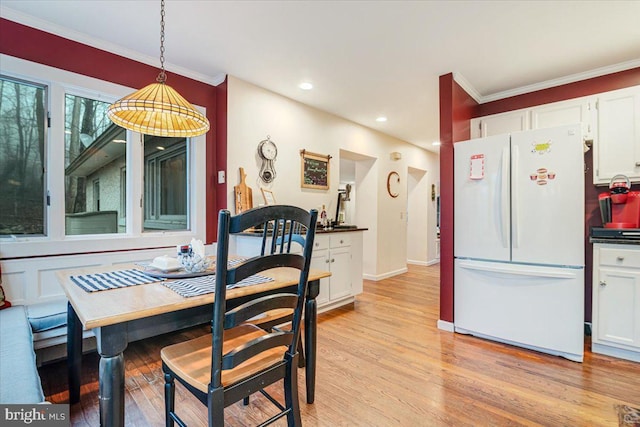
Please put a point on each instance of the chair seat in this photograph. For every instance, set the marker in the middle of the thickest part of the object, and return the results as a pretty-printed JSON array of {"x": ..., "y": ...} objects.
[{"x": 191, "y": 360}]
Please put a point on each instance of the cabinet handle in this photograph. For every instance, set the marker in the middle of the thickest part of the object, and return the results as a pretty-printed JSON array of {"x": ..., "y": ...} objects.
[
  {"x": 341, "y": 241},
  {"x": 317, "y": 244},
  {"x": 326, "y": 261},
  {"x": 603, "y": 284},
  {"x": 333, "y": 260},
  {"x": 620, "y": 258},
  {"x": 637, "y": 164}
]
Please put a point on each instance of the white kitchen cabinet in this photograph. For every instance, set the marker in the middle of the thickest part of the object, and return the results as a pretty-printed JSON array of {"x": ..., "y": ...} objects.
[
  {"x": 578, "y": 110},
  {"x": 339, "y": 252},
  {"x": 617, "y": 150},
  {"x": 334, "y": 252},
  {"x": 616, "y": 301},
  {"x": 498, "y": 124}
]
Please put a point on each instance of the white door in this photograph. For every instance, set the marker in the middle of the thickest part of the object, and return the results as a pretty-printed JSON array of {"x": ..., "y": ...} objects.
[
  {"x": 481, "y": 197},
  {"x": 547, "y": 212}
]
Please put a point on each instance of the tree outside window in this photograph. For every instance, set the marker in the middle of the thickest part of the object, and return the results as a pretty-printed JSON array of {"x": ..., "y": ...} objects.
[{"x": 22, "y": 158}]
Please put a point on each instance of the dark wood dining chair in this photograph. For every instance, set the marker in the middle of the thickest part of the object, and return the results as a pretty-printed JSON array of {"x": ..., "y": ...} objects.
[
  {"x": 239, "y": 358},
  {"x": 277, "y": 237}
]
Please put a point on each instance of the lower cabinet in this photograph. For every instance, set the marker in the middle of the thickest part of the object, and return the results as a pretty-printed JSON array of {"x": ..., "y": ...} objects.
[
  {"x": 616, "y": 301},
  {"x": 333, "y": 253},
  {"x": 339, "y": 252}
]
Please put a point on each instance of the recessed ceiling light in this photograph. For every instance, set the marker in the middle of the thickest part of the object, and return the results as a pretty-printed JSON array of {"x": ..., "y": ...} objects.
[
  {"x": 381, "y": 119},
  {"x": 305, "y": 86},
  {"x": 436, "y": 143}
]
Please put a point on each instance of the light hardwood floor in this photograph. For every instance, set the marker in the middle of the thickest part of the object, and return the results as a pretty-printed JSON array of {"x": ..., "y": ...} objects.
[{"x": 383, "y": 362}]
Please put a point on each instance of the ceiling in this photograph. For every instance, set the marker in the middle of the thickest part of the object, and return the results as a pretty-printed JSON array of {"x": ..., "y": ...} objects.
[{"x": 365, "y": 58}]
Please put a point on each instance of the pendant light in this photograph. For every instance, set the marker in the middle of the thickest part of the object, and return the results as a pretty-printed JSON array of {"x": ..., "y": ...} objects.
[{"x": 157, "y": 109}]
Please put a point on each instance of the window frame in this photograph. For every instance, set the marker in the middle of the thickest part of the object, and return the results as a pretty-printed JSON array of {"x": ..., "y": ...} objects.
[{"x": 59, "y": 83}]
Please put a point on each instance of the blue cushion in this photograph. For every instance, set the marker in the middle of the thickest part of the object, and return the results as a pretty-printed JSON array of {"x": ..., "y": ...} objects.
[
  {"x": 19, "y": 379},
  {"x": 47, "y": 315}
]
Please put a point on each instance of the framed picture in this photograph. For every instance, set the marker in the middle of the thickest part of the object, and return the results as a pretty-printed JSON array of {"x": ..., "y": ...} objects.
[
  {"x": 269, "y": 198},
  {"x": 314, "y": 170}
]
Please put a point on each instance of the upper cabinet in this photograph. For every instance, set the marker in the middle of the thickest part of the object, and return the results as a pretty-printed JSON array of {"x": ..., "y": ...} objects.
[
  {"x": 578, "y": 110},
  {"x": 498, "y": 124},
  {"x": 610, "y": 121},
  {"x": 618, "y": 147}
]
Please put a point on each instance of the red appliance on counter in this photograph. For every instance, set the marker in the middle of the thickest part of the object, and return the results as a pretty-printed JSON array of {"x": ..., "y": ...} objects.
[{"x": 620, "y": 208}]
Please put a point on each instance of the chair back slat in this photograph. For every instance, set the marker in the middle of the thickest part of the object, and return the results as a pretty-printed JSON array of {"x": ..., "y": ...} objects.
[
  {"x": 258, "y": 306},
  {"x": 283, "y": 225},
  {"x": 243, "y": 353}
]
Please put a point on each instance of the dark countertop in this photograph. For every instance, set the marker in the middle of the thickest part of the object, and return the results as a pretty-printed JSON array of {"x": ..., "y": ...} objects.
[
  {"x": 258, "y": 233},
  {"x": 615, "y": 241}
]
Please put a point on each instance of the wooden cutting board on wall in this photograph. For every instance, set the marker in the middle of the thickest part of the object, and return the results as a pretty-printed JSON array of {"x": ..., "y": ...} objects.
[{"x": 242, "y": 194}]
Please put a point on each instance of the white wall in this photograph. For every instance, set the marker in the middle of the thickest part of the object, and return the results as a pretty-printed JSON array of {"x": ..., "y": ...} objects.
[{"x": 254, "y": 113}]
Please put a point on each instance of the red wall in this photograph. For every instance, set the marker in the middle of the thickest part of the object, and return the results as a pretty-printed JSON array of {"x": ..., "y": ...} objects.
[
  {"x": 559, "y": 93},
  {"x": 456, "y": 110},
  {"x": 45, "y": 48}
]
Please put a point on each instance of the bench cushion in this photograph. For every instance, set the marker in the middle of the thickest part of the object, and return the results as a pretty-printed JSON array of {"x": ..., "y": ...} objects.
[
  {"x": 47, "y": 315},
  {"x": 19, "y": 379}
]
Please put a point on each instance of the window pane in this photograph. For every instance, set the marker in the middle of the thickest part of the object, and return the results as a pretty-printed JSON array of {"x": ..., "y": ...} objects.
[
  {"x": 22, "y": 178},
  {"x": 166, "y": 186},
  {"x": 95, "y": 154}
]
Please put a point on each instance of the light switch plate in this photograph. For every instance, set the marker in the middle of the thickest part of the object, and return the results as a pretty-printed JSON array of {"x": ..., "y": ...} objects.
[{"x": 221, "y": 177}]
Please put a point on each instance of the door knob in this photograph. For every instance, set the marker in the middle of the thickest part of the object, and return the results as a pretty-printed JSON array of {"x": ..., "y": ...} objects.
[{"x": 603, "y": 284}]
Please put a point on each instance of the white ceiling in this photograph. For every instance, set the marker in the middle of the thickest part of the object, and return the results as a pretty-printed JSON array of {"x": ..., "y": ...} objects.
[{"x": 365, "y": 58}]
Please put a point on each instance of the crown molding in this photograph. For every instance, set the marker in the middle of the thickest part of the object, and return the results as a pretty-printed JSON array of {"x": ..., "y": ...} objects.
[
  {"x": 602, "y": 71},
  {"x": 40, "y": 24},
  {"x": 610, "y": 69},
  {"x": 464, "y": 84}
]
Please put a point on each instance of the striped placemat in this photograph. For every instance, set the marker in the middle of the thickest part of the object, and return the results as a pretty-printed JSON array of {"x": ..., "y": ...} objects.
[
  {"x": 112, "y": 280},
  {"x": 207, "y": 284}
]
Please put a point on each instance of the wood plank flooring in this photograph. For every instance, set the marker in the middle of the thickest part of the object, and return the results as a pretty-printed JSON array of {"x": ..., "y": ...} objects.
[{"x": 383, "y": 362}]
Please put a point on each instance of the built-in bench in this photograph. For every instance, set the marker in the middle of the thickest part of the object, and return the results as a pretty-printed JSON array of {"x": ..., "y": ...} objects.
[
  {"x": 49, "y": 326},
  {"x": 19, "y": 379}
]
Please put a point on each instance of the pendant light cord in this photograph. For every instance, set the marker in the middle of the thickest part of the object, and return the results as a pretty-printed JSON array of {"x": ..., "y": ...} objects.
[{"x": 162, "y": 77}]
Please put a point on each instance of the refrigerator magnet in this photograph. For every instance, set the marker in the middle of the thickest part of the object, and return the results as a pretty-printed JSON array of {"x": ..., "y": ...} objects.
[{"x": 476, "y": 169}]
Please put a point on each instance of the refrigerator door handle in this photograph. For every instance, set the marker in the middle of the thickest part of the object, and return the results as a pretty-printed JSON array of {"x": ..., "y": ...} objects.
[
  {"x": 515, "y": 172},
  {"x": 504, "y": 198},
  {"x": 558, "y": 273}
]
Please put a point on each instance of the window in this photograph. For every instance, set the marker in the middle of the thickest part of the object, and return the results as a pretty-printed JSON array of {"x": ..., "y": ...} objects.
[
  {"x": 165, "y": 183},
  {"x": 95, "y": 151},
  {"x": 22, "y": 157},
  {"x": 73, "y": 182}
]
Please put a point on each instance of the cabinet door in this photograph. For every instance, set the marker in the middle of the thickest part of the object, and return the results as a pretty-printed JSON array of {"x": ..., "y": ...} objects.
[
  {"x": 499, "y": 124},
  {"x": 340, "y": 281},
  {"x": 617, "y": 307},
  {"x": 580, "y": 110},
  {"x": 320, "y": 261},
  {"x": 617, "y": 150}
]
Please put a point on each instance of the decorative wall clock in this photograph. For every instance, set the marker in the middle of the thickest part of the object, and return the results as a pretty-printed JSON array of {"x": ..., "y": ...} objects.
[
  {"x": 267, "y": 151},
  {"x": 393, "y": 184}
]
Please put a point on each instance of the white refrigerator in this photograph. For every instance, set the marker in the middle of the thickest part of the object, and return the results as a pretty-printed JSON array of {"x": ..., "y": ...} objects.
[{"x": 519, "y": 239}]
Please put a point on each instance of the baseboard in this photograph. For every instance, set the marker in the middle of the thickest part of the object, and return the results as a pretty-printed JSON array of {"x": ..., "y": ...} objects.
[
  {"x": 445, "y": 326},
  {"x": 378, "y": 277},
  {"x": 423, "y": 263}
]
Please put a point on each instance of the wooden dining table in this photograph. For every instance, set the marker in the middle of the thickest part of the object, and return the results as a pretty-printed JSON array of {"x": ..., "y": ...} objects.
[{"x": 118, "y": 316}]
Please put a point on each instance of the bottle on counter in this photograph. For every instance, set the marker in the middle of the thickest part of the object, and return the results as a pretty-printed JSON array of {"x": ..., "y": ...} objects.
[{"x": 323, "y": 217}]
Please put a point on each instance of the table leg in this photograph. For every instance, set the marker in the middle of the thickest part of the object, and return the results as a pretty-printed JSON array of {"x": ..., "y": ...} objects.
[
  {"x": 74, "y": 354},
  {"x": 112, "y": 341},
  {"x": 310, "y": 326}
]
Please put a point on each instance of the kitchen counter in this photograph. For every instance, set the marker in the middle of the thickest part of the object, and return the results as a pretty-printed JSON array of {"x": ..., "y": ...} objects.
[
  {"x": 619, "y": 241},
  {"x": 258, "y": 233}
]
